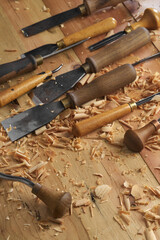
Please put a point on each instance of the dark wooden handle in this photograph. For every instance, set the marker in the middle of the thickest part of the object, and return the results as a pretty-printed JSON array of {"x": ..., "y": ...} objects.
[
  {"x": 103, "y": 85},
  {"x": 18, "y": 90},
  {"x": 94, "y": 5},
  {"x": 119, "y": 49},
  {"x": 88, "y": 125},
  {"x": 15, "y": 68},
  {"x": 150, "y": 20},
  {"x": 58, "y": 203},
  {"x": 135, "y": 139}
]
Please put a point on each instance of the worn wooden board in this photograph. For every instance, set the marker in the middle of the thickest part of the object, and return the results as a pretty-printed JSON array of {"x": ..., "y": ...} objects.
[{"x": 69, "y": 170}]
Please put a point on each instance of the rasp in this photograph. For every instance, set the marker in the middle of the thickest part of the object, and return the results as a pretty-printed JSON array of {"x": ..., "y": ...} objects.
[
  {"x": 86, "y": 8},
  {"x": 150, "y": 20},
  {"x": 88, "y": 125},
  {"x": 53, "y": 89},
  {"x": 135, "y": 139},
  {"x": 30, "y": 60},
  {"x": 26, "y": 122}
]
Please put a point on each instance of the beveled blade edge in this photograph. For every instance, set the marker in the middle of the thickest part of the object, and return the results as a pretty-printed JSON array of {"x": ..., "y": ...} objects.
[{"x": 28, "y": 121}]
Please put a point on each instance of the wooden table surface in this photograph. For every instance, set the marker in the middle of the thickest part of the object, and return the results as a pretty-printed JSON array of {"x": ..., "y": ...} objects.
[{"x": 22, "y": 215}]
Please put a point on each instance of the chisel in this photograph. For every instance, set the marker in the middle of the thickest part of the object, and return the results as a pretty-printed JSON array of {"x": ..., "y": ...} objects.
[
  {"x": 135, "y": 139},
  {"x": 86, "y": 8},
  {"x": 57, "y": 203},
  {"x": 150, "y": 20},
  {"x": 89, "y": 125},
  {"x": 30, "y": 60}
]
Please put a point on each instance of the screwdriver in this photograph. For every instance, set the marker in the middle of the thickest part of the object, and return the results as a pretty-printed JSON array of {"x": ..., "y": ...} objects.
[
  {"x": 135, "y": 139},
  {"x": 58, "y": 203},
  {"x": 150, "y": 20},
  {"x": 88, "y": 125}
]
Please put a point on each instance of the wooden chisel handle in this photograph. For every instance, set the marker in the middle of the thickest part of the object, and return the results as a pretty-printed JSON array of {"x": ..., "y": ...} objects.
[
  {"x": 118, "y": 49},
  {"x": 103, "y": 85},
  {"x": 94, "y": 5},
  {"x": 16, "y": 91},
  {"x": 91, "y": 31},
  {"x": 150, "y": 20},
  {"x": 88, "y": 125},
  {"x": 135, "y": 139},
  {"x": 15, "y": 68}
]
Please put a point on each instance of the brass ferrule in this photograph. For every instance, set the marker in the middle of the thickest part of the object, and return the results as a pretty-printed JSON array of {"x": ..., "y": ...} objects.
[
  {"x": 39, "y": 59},
  {"x": 128, "y": 29},
  {"x": 156, "y": 124},
  {"x": 83, "y": 10},
  {"x": 133, "y": 106},
  {"x": 66, "y": 102},
  {"x": 60, "y": 44},
  {"x": 86, "y": 67}
]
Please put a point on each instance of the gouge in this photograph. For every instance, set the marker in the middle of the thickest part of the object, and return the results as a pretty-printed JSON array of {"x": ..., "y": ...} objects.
[
  {"x": 34, "y": 118},
  {"x": 58, "y": 203},
  {"x": 30, "y": 60},
  {"x": 86, "y": 8},
  {"x": 150, "y": 20},
  {"x": 88, "y": 125},
  {"x": 135, "y": 139}
]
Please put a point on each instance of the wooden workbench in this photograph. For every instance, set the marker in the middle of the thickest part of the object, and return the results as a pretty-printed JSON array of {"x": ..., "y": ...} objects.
[{"x": 22, "y": 216}]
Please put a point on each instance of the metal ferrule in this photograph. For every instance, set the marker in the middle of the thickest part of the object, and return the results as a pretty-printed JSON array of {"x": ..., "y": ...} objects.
[
  {"x": 133, "y": 106},
  {"x": 86, "y": 67},
  {"x": 61, "y": 44},
  {"x": 82, "y": 9},
  {"x": 128, "y": 29},
  {"x": 156, "y": 124},
  {"x": 66, "y": 102},
  {"x": 36, "y": 188},
  {"x": 39, "y": 59}
]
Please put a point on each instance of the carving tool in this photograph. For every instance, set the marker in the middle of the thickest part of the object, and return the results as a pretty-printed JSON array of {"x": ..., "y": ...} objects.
[
  {"x": 26, "y": 122},
  {"x": 86, "y": 8},
  {"x": 135, "y": 139},
  {"x": 88, "y": 125},
  {"x": 57, "y": 203},
  {"x": 32, "y": 59},
  {"x": 150, "y": 20}
]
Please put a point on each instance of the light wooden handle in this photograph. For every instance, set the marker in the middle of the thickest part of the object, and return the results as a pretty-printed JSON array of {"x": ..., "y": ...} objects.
[
  {"x": 94, "y": 5},
  {"x": 119, "y": 49},
  {"x": 135, "y": 139},
  {"x": 58, "y": 203},
  {"x": 18, "y": 90},
  {"x": 103, "y": 85},
  {"x": 150, "y": 20},
  {"x": 88, "y": 125},
  {"x": 91, "y": 31}
]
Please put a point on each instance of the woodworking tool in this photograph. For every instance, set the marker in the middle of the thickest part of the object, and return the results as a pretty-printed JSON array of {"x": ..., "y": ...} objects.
[
  {"x": 58, "y": 203},
  {"x": 150, "y": 20},
  {"x": 32, "y": 59},
  {"x": 88, "y": 125},
  {"x": 135, "y": 139},
  {"x": 86, "y": 8}
]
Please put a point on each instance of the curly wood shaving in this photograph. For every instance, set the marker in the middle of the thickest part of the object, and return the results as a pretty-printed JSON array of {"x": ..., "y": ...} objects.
[
  {"x": 120, "y": 222},
  {"x": 149, "y": 234}
]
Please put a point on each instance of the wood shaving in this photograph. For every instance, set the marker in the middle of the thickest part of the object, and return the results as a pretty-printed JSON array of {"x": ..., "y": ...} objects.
[
  {"x": 102, "y": 190},
  {"x": 81, "y": 202}
]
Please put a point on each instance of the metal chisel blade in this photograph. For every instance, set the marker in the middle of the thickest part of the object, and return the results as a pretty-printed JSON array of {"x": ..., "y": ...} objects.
[
  {"x": 28, "y": 121},
  {"x": 50, "y": 22}
]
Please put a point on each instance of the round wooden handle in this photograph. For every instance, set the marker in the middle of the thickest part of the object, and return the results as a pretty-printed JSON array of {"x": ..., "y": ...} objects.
[
  {"x": 119, "y": 49},
  {"x": 15, "y": 68},
  {"x": 103, "y": 85},
  {"x": 94, "y": 5},
  {"x": 91, "y": 31},
  {"x": 88, "y": 125},
  {"x": 135, "y": 139},
  {"x": 58, "y": 203},
  {"x": 18, "y": 90},
  {"x": 150, "y": 20}
]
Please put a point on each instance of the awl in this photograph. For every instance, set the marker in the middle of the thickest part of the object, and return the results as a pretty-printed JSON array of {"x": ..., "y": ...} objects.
[
  {"x": 135, "y": 139},
  {"x": 26, "y": 122},
  {"x": 88, "y": 125},
  {"x": 150, "y": 20},
  {"x": 51, "y": 90},
  {"x": 86, "y": 8},
  {"x": 30, "y": 60},
  {"x": 115, "y": 77}
]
